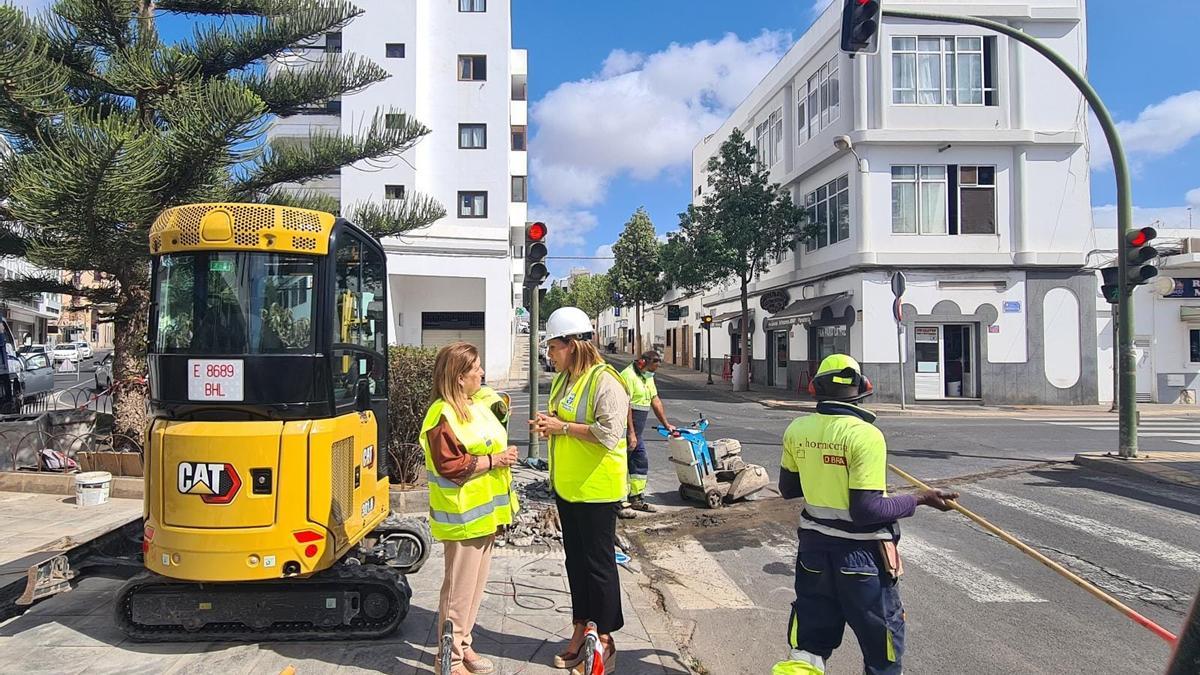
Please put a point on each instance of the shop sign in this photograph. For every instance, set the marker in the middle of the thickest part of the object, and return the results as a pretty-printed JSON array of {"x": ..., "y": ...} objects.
[
  {"x": 1185, "y": 288},
  {"x": 774, "y": 301},
  {"x": 1012, "y": 306}
]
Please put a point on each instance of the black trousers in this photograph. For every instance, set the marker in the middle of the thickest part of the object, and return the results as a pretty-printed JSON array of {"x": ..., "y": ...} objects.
[{"x": 589, "y": 540}]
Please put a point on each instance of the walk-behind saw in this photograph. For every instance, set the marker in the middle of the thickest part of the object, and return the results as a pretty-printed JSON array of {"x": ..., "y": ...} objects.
[{"x": 711, "y": 473}]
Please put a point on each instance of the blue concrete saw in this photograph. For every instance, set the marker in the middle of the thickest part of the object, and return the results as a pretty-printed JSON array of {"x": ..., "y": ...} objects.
[{"x": 713, "y": 474}]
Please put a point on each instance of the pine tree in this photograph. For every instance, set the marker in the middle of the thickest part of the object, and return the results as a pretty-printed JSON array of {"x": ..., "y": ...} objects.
[{"x": 105, "y": 125}]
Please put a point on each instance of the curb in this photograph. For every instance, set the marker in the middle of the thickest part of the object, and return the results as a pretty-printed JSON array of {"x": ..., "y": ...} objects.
[
  {"x": 40, "y": 482},
  {"x": 415, "y": 500},
  {"x": 1146, "y": 467}
]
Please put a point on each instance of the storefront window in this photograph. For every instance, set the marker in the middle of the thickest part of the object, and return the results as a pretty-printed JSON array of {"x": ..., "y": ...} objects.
[
  {"x": 927, "y": 347},
  {"x": 831, "y": 340},
  {"x": 1195, "y": 335}
]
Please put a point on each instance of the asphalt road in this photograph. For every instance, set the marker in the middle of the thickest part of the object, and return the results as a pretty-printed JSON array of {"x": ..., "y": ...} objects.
[{"x": 974, "y": 603}]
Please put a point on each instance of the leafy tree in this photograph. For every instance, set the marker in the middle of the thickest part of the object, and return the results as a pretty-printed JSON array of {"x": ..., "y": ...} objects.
[
  {"x": 105, "y": 125},
  {"x": 637, "y": 272},
  {"x": 557, "y": 296},
  {"x": 592, "y": 294},
  {"x": 744, "y": 225}
]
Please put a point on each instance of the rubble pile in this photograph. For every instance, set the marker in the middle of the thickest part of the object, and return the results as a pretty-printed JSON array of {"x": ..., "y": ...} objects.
[{"x": 537, "y": 522}]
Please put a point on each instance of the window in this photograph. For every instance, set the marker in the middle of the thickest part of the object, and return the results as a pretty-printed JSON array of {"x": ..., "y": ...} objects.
[
  {"x": 472, "y": 136},
  {"x": 760, "y": 143},
  {"x": 394, "y": 120},
  {"x": 393, "y": 192},
  {"x": 472, "y": 68},
  {"x": 332, "y": 108},
  {"x": 472, "y": 5},
  {"x": 1195, "y": 340},
  {"x": 943, "y": 199},
  {"x": 941, "y": 70},
  {"x": 395, "y": 50},
  {"x": 472, "y": 205},
  {"x": 818, "y": 102},
  {"x": 977, "y": 199},
  {"x": 828, "y": 208},
  {"x": 518, "y": 137},
  {"x": 360, "y": 336},
  {"x": 776, "y": 122},
  {"x": 768, "y": 139},
  {"x": 520, "y": 188},
  {"x": 333, "y": 43},
  {"x": 520, "y": 87}
]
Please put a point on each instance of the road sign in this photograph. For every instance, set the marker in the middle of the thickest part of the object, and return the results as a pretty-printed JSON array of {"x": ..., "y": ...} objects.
[
  {"x": 67, "y": 366},
  {"x": 899, "y": 283},
  {"x": 897, "y": 310}
]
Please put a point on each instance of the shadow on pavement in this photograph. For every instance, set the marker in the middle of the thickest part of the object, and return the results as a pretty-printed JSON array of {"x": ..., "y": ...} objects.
[
  {"x": 1070, "y": 476},
  {"x": 922, "y": 453}
]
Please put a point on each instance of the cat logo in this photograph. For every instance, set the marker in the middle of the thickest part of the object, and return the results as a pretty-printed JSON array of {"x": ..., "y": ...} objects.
[{"x": 215, "y": 483}]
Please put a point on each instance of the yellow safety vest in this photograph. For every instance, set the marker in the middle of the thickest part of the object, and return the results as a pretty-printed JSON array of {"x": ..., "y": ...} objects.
[
  {"x": 641, "y": 388},
  {"x": 492, "y": 400},
  {"x": 835, "y": 454},
  {"x": 585, "y": 471},
  {"x": 481, "y": 504}
]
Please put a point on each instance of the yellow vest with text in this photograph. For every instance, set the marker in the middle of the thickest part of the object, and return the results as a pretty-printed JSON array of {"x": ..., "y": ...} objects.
[
  {"x": 483, "y": 503},
  {"x": 835, "y": 454},
  {"x": 641, "y": 388},
  {"x": 585, "y": 471}
]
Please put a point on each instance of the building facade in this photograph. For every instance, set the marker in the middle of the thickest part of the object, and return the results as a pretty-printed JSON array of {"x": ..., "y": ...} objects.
[
  {"x": 953, "y": 155},
  {"x": 452, "y": 67},
  {"x": 32, "y": 322}
]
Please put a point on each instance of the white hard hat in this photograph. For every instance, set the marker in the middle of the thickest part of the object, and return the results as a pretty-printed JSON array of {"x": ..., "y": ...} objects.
[{"x": 566, "y": 321}]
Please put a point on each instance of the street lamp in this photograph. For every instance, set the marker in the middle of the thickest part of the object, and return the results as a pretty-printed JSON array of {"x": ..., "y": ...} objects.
[{"x": 844, "y": 144}]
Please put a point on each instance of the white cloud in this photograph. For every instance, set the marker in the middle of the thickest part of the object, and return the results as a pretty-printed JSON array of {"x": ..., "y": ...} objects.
[
  {"x": 642, "y": 114},
  {"x": 568, "y": 228},
  {"x": 602, "y": 259},
  {"x": 1164, "y": 217},
  {"x": 1193, "y": 198},
  {"x": 1159, "y": 130}
]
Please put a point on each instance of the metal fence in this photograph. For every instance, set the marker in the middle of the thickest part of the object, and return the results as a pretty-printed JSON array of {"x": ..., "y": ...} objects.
[{"x": 58, "y": 426}]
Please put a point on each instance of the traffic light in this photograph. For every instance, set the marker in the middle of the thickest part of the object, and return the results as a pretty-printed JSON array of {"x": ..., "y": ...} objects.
[
  {"x": 1110, "y": 288},
  {"x": 860, "y": 26},
  {"x": 707, "y": 320},
  {"x": 1138, "y": 254},
  {"x": 535, "y": 253},
  {"x": 527, "y": 299}
]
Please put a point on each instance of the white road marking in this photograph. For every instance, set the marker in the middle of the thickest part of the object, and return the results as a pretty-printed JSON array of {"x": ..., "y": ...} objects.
[
  {"x": 1118, "y": 535},
  {"x": 696, "y": 580},
  {"x": 978, "y": 584}
]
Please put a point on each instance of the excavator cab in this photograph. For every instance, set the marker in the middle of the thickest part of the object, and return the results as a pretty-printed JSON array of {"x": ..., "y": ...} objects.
[{"x": 267, "y": 491}]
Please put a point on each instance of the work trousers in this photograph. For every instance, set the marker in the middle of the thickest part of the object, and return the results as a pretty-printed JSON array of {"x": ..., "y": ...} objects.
[
  {"x": 835, "y": 588},
  {"x": 638, "y": 461},
  {"x": 589, "y": 541},
  {"x": 468, "y": 563}
]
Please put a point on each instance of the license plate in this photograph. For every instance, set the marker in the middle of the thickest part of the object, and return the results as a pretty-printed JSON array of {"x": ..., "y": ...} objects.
[{"x": 215, "y": 380}]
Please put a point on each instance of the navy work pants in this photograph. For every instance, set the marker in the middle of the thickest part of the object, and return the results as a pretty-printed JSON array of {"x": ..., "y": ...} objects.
[
  {"x": 638, "y": 461},
  {"x": 835, "y": 588}
]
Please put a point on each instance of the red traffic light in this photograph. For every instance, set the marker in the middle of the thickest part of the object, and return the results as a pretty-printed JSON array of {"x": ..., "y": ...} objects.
[
  {"x": 1142, "y": 237},
  {"x": 535, "y": 231}
]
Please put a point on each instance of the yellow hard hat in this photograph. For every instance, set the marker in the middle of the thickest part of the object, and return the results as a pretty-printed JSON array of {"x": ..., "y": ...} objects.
[{"x": 840, "y": 378}]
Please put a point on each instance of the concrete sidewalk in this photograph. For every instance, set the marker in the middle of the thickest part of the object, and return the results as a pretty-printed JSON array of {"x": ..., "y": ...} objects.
[
  {"x": 783, "y": 399},
  {"x": 1177, "y": 468}
]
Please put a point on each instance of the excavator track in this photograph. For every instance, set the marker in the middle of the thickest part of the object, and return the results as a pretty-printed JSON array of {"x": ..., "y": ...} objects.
[{"x": 345, "y": 602}]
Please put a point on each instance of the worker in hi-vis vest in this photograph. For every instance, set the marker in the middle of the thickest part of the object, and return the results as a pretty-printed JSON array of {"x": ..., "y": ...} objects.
[
  {"x": 847, "y": 566},
  {"x": 643, "y": 397}
]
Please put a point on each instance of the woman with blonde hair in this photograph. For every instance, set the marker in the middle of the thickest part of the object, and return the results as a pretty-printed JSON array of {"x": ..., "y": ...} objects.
[
  {"x": 470, "y": 491},
  {"x": 586, "y": 425}
]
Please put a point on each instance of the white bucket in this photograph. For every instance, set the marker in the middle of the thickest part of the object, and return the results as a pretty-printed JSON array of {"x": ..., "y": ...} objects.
[{"x": 91, "y": 488}]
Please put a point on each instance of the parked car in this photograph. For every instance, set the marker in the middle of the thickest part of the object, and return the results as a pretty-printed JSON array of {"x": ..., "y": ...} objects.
[
  {"x": 37, "y": 375},
  {"x": 85, "y": 350},
  {"x": 66, "y": 351},
  {"x": 35, "y": 349},
  {"x": 104, "y": 370}
]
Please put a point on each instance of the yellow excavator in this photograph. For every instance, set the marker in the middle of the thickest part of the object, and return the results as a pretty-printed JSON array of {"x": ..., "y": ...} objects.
[{"x": 266, "y": 500}]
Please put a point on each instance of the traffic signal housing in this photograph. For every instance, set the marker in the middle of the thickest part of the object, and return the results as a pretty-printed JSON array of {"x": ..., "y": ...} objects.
[
  {"x": 535, "y": 254},
  {"x": 706, "y": 321},
  {"x": 1111, "y": 289},
  {"x": 1138, "y": 254},
  {"x": 860, "y": 26}
]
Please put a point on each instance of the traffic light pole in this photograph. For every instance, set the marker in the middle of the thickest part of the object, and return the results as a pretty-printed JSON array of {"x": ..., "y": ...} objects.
[
  {"x": 708, "y": 329},
  {"x": 534, "y": 365},
  {"x": 1127, "y": 394}
]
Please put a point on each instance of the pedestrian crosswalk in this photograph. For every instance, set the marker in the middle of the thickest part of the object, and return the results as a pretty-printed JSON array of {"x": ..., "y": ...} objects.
[
  {"x": 1175, "y": 429},
  {"x": 1139, "y": 549}
]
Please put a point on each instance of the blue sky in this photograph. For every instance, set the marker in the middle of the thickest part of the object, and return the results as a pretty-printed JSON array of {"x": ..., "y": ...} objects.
[{"x": 596, "y": 154}]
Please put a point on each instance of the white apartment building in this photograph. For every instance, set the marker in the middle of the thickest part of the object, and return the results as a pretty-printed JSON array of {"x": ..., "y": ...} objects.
[
  {"x": 453, "y": 68},
  {"x": 31, "y": 322},
  {"x": 970, "y": 176}
]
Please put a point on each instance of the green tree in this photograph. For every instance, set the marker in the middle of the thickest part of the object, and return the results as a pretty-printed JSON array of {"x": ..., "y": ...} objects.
[
  {"x": 557, "y": 296},
  {"x": 637, "y": 272},
  {"x": 592, "y": 294},
  {"x": 744, "y": 225},
  {"x": 105, "y": 125}
]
